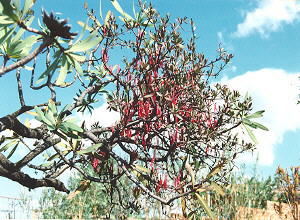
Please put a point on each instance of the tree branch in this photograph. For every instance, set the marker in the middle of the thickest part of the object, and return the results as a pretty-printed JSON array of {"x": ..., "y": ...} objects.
[
  {"x": 32, "y": 183},
  {"x": 36, "y": 151},
  {"x": 26, "y": 59},
  {"x": 9, "y": 122}
]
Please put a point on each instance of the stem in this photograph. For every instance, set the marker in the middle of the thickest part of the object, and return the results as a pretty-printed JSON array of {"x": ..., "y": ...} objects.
[{"x": 27, "y": 59}]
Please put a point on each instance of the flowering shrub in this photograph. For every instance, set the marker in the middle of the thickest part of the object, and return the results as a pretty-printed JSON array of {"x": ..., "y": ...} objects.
[{"x": 178, "y": 131}]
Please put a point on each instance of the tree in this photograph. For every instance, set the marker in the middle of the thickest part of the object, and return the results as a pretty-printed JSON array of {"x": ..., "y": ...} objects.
[
  {"x": 96, "y": 201},
  {"x": 178, "y": 131}
]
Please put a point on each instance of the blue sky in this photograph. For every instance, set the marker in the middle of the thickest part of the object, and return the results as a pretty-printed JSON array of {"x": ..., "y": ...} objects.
[{"x": 264, "y": 38}]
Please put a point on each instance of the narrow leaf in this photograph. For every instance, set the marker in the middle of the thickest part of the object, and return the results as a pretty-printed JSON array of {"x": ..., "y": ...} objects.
[
  {"x": 203, "y": 203},
  {"x": 251, "y": 135},
  {"x": 142, "y": 169},
  {"x": 13, "y": 150},
  {"x": 72, "y": 126},
  {"x": 51, "y": 69},
  {"x": 27, "y": 5},
  {"x": 90, "y": 149},
  {"x": 41, "y": 116},
  {"x": 118, "y": 7},
  {"x": 86, "y": 44},
  {"x": 217, "y": 188},
  {"x": 63, "y": 71},
  {"x": 84, "y": 185},
  {"x": 257, "y": 114},
  {"x": 8, "y": 145},
  {"x": 215, "y": 171}
]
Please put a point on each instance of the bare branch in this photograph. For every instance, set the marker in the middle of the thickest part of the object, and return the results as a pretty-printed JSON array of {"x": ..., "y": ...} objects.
[{"x": 32, "y": 183}]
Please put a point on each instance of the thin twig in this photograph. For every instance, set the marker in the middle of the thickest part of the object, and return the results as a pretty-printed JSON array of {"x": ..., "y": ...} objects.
[{"x": 20, "y": 90}]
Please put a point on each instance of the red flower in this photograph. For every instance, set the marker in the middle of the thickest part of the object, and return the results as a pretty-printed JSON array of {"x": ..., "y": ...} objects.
[
  {"x": 158, "y": 111},
  {"x": 95, "y": 163},
  {"x": 128, "y": 133},
  {"x": 165, "y": 184},
  {"x": 159, "y": 185},
  {"x": 177, "y": 180}
]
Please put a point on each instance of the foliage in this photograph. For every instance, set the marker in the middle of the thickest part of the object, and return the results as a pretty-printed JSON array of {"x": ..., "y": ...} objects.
[
  {"x": 288, "y": 187},
  {"x": 242, "y": 191},
  {"x": 178, "y": 133},
  {"x": 97, "y": 201}
]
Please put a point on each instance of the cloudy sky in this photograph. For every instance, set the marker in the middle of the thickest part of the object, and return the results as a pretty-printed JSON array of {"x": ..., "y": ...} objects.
[{"x": 264, "y": 37}]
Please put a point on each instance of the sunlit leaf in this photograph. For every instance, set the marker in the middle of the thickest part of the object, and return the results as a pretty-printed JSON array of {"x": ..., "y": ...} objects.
[
  {"x": 203, "y": 203},
  {"x": 50, "y": 70},
  {"x": 63, "y": 71},
  {"x": 54, "y": 156},
  {"x": 9, "y": 10},
  {"x": 84, "y": 184},
  {"x": 27, "y": 5},
  {"x": 52, "y": 107},
  {"x": 85, "y": 26},
  {"x": 90, "y": 149},
  {"x": 118, "y": 7},
  {"x": 217, "y": 188},
  {"x": 91, "y": 41},
  {"x": 5, "y": 20},
  {"x": 41, "y": 116},
  {"x": 251, "y": 135},
  {"x": 214, "y": 171},
  {"x": 8, "y": 145},
  {"x": 72, "y": 126},
  {"x": 257, "y": 114},
  {"x": 6, "y": 35},
  {"x": 142, "y": 169}
]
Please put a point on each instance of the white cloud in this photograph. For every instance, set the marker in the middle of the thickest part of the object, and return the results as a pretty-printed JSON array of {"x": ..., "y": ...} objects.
[
  {"x": 101, "y": 115},
  {"x": 276, "y": 92},
  {"x": 268, "y": 17}
]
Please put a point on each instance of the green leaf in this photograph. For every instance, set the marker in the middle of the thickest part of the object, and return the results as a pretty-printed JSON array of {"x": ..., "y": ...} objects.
[
  {"x": 260, "y": 126},
  {"x": 8, "y": 145},
  {"x": 23, "y": 47},
  {"x": 254, "y": 125},
  {"x": 257, "y": 114},
  {"x": 85, "y": 26},
  {"x": 7, "y": 35},
  {"x": 13, "y": 150},
  {"x": 9, "y": 10},
  {"x": 51, "y": 119},
  {"x": 108, "y": 14},
  {"x": 118, "y": 7},
  {"x": 41, "y": 116},
  {"x": 72, "y": 126},
  {"x": 5, "y": 20},
  {"x": 214, "y": 171},
  {"x": 76, "y": 57},
  {"x": 63, "y": 71},
  {"x": 47, "y": 164},
  {"x": 50, "y": 70},
  {"x": 77, "y": 67},
  {"x": 142, "y": 169},
  {"x": 250, "y": 133},
  {"x": 203, "y": 203},
  {"x": 217, "y": 188},
  {"x": 21, "y": 31},
  {"x": 90, "y": 149},
  {"x": 52, "y": 107},
  {"x": 54, "y": 156},
  {"x": 27, "y": 5},
  {"x": 86, "y": 44}
]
